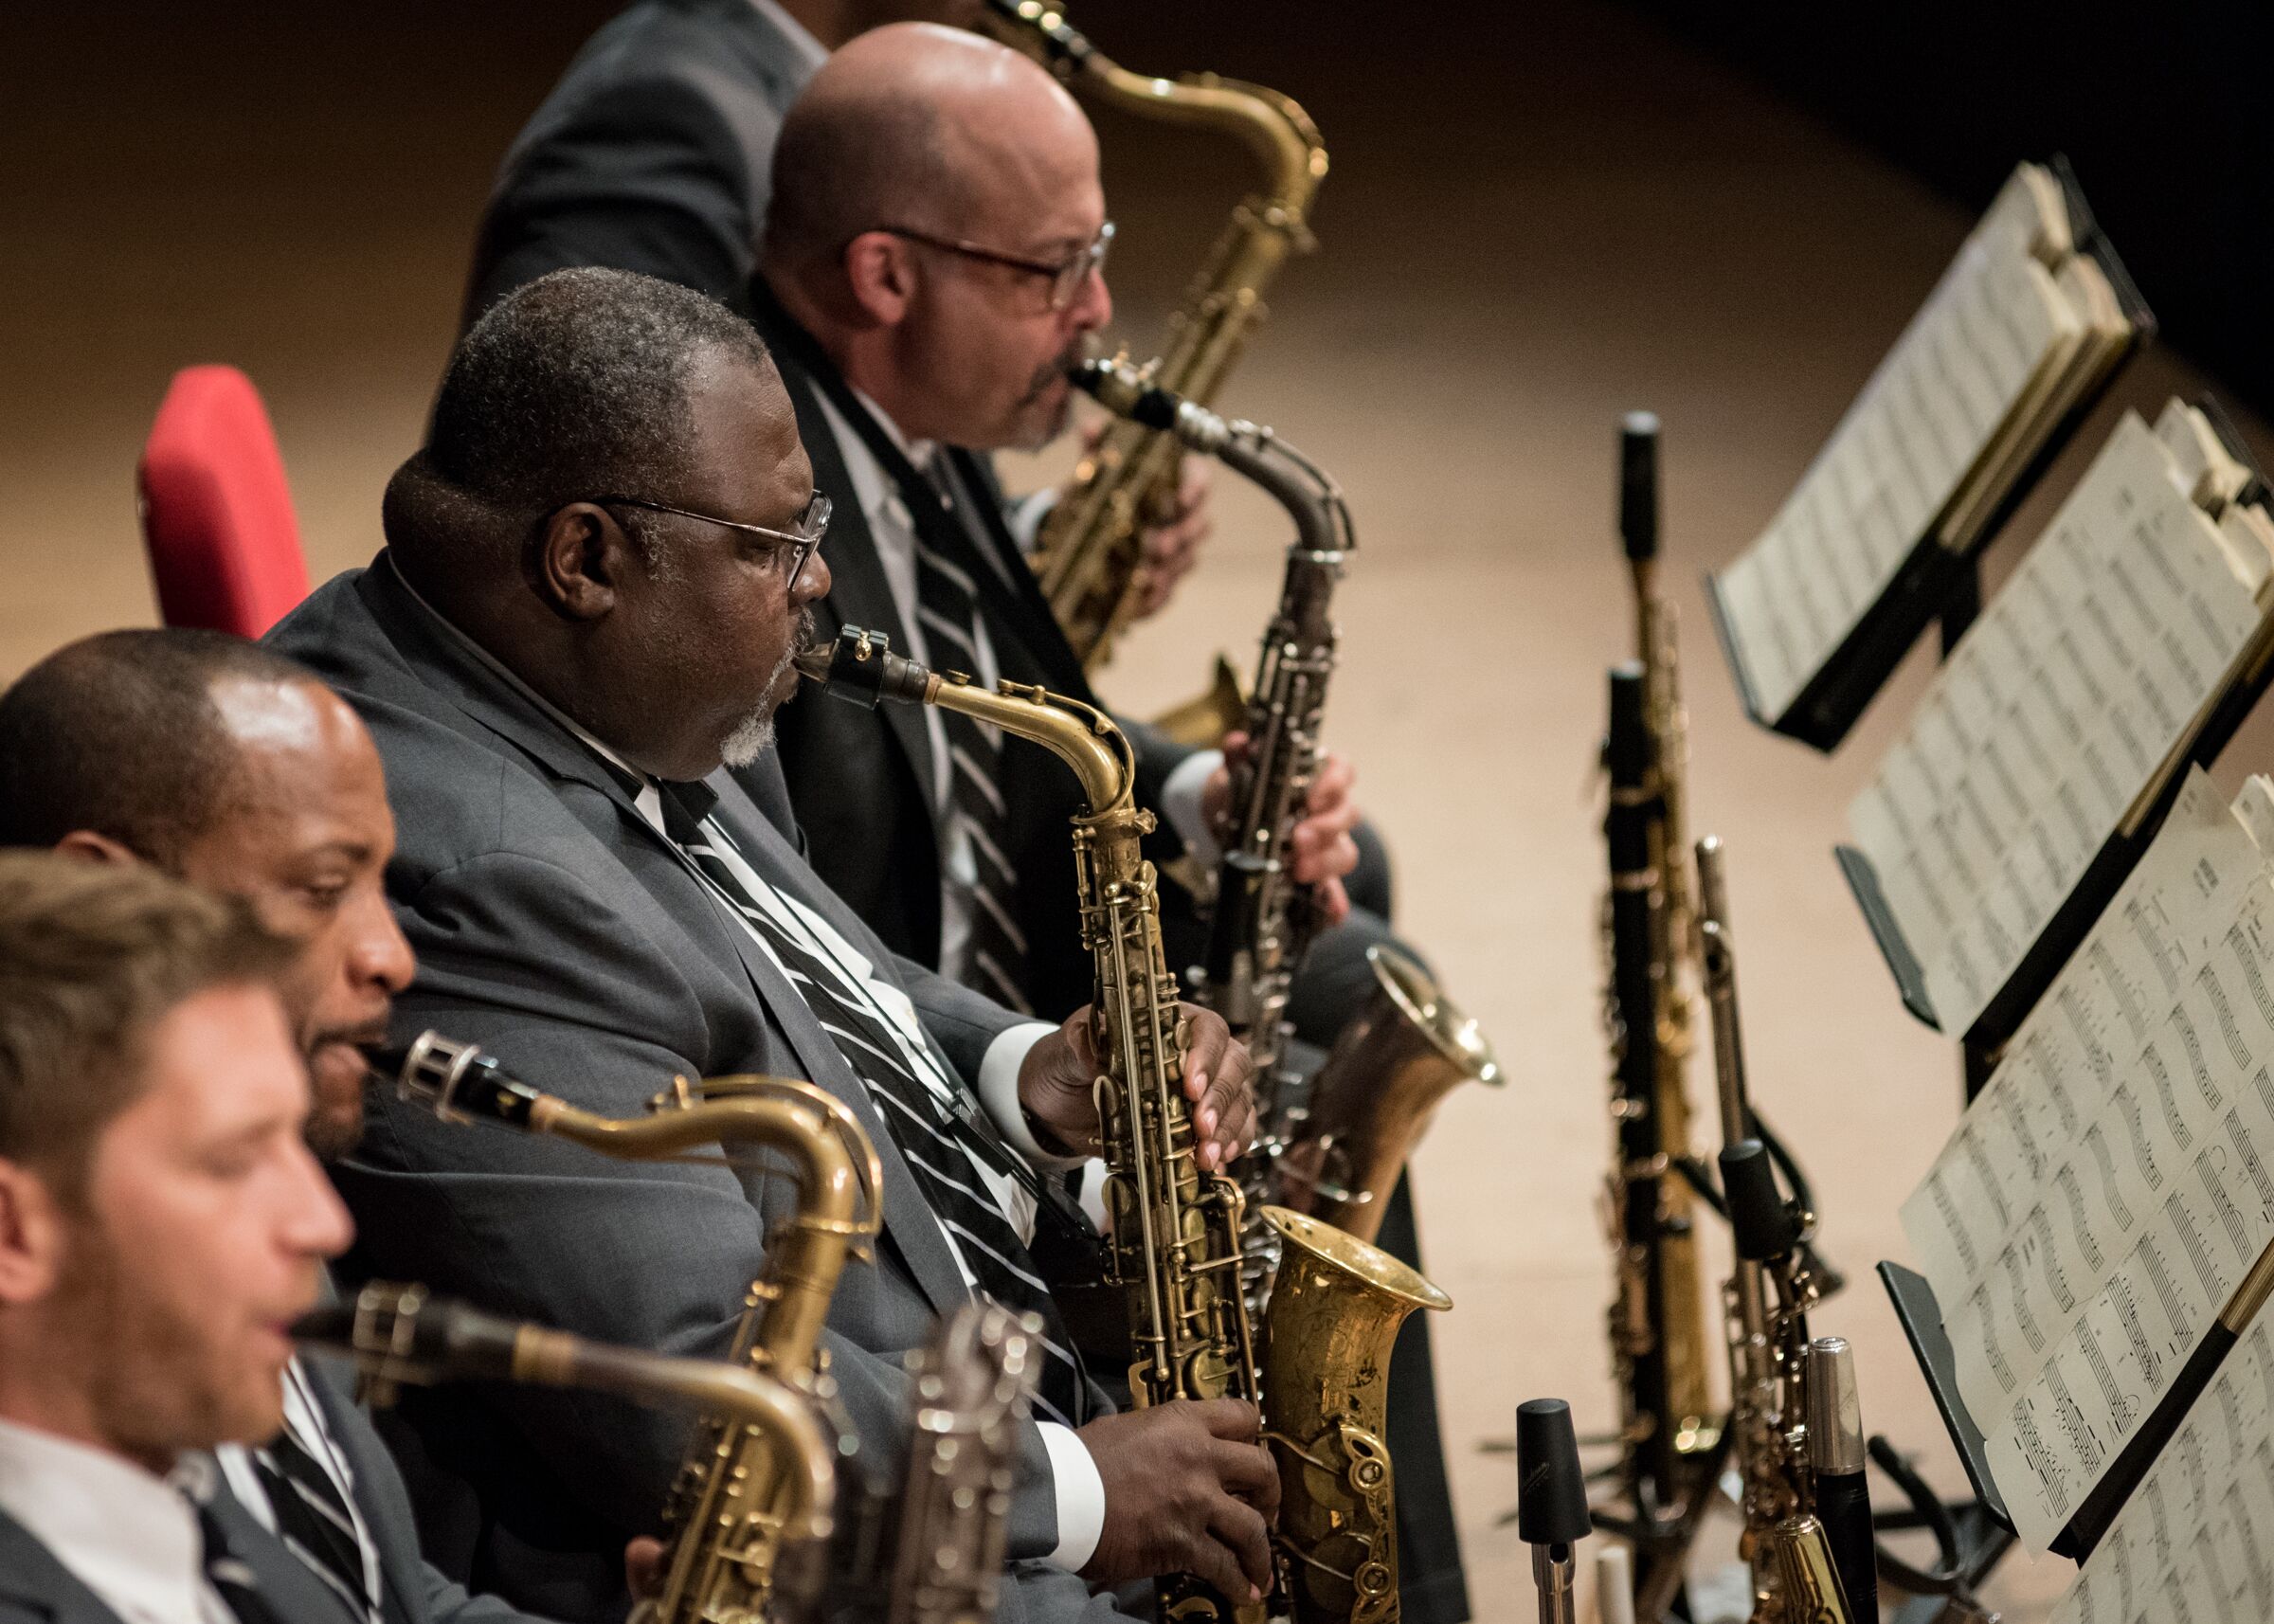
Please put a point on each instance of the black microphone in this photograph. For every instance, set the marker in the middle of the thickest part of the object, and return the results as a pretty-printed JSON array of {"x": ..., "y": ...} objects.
[{"x": 1551, "y": 1501}]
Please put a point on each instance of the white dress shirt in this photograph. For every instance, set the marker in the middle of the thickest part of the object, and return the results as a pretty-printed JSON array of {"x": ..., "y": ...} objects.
[
  {"x": 129, "y": 1537},
  {"x": 1079, "y": 1490},
  {"x": 304, "y": 1420}
]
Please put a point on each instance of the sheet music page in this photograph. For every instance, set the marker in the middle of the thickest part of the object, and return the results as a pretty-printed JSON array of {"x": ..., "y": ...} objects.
[
  {"x": 2057, "y": 709},
  {"x": 2060, "y": 1066},
  {"x": 1894, "y": 462},
  {"x": 2195, "y": 1543}
]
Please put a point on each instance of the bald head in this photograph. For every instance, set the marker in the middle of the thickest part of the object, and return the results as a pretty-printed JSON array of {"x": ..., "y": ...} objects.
[{"x": 923, "y": 126}]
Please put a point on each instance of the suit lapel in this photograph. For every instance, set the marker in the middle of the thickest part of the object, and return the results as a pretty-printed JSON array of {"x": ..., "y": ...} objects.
[
  {"x": 923, "y": 1245},
  {"x": 859, "y": 595},
  {"x": 281, "y": 1578},
  {"x": 31, "y": 1574},
  {"x": 1018, "y": 604}
]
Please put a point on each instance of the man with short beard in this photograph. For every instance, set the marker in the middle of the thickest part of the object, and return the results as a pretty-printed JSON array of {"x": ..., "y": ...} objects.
[
  {"x": 933, "y": 264},
  {"x": 226, "y": 764},
  {"x": 161, "y": 1226},
  {"x": 595, "y": 568}
]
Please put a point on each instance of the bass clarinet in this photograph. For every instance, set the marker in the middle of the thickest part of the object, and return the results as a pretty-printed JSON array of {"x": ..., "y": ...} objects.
[{"x": 1175, "y": 1247}]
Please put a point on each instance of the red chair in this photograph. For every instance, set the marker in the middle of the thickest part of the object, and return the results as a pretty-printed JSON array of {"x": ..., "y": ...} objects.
[{"x": 217, "y": 514}]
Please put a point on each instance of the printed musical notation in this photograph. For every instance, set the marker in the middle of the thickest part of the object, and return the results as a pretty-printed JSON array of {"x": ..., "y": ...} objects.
[
  {"x": 2195, "y": 1543},
  {"x": 2111, "y": 1186}
]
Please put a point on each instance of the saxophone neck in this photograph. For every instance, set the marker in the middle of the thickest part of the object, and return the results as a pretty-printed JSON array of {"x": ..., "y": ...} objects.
[
  {"x": 861, "y": 667},
  {"x": 1272, "y": 126},
  {"x": 399, "y": 1334}
]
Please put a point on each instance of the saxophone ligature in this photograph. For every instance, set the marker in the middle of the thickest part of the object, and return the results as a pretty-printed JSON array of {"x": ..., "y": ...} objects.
[
  {"x": 972, "y": 1385},
  {"x": 1090, "y": 553},
  {"x": 726, "y": 1509},
  {"x": 1331, "y": 1146},
  {"x": 1794, "y": 1421},
  {"x": 1175, "y": 1245},
  {"x": 398, "y": 1335}
]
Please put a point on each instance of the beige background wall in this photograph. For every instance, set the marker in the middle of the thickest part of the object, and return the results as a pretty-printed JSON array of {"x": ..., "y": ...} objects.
[{"x": 1523, "y": 237}]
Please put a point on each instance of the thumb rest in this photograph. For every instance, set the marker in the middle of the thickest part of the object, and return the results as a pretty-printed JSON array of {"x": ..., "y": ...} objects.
[
  {"x": 1176, "y": 1232},
  {"x": 726, "y": 1507}
]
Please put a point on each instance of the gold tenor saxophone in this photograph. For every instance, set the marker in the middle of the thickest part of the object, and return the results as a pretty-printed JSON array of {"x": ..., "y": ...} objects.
[
  {"x": 727, "y": 1509},
  {"x": 399, "y": 1335},
  {"x": 972, "y": 1384},
  {"x": 1090, "y": 552},
  {"x": 1774, "y": 1407},
  {"x": 1174, "y": 1244},
  {"x": 1332, "y": 1147}
]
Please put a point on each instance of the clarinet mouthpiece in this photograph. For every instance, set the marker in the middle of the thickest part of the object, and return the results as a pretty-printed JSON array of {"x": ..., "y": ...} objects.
[{"x": 1638, "y": 485}]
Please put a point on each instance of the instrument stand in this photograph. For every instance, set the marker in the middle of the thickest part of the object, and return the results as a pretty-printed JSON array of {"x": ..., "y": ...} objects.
[{"x": 1661, "y": 1542}]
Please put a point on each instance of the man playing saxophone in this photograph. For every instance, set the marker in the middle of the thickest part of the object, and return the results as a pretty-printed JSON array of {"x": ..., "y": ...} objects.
[
  {"x": 933, "y": 264},
  {"x": 598, "y": 568}
]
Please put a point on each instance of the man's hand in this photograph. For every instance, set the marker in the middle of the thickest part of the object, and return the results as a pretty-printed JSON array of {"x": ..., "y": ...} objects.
[
  {"x": 1190, "y": 1488},
  {"x": 1172, "y": 539},
  {"x": 1321, "y": 849},
  {"x": 644, "y": 1567},
  {"x": 1057, "y": 1087}
]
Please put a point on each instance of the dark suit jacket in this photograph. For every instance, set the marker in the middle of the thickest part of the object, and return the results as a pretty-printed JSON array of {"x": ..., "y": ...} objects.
[
  {"x": 653, "y": 154},
  {"x": 861, "y": 779},
  {"x": 559, "y": 931}
]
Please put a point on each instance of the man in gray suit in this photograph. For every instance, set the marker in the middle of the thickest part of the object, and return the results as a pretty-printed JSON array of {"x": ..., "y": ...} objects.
[
  {"x": 161, "y": 1224},
  {"x": 598, "y": 569}
]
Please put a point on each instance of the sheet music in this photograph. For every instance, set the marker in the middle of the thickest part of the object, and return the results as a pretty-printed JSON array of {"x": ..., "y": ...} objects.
[
  {"x": 2195, "y": 1543},
  {"x": 1896, "y": 458},
  {"x": 2061, "y": 705},
  {"x": 2114, "y": 1181}
]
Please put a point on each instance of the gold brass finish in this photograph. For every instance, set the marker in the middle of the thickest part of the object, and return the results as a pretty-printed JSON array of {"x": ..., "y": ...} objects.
[
  {"x": 1335, "y": 1306},
  {"x": 1372, "y": 1101}
]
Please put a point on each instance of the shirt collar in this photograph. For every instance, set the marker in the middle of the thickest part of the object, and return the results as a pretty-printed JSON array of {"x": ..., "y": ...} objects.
[
  {"x": 129, "y": 1537},
  {"x": 638, "y": 786}
]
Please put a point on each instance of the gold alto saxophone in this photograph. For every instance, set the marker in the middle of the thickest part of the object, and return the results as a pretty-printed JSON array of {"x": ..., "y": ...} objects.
[
  {"x": 972, "y": 1383},
  {"x": 725, "y": 1511},
  {"x": 1332, "y": 1147},
  {"x": 1777, "y": 1380},
  {"x": 1175, "y": 1243},
  {"x": 1090, "y": 552}
]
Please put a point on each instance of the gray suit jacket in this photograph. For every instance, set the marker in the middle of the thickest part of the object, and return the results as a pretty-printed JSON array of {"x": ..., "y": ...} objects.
[
  {"x": 36, "y": 1588},
  {"x": 558, "y": 929}
]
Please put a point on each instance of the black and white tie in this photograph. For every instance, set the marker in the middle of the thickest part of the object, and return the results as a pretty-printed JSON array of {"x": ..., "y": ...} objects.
[
  {"x": 948, "y": 608},
  {"x": 314, "y": 1520},
  {"x": 945, "y": 1147},
  {"x": 231, "y": 1579}
]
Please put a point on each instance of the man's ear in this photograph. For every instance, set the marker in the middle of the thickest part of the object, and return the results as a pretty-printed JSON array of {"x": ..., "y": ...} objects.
[
  {"x": 87, "y": 846},
  {"x": 579, "y": 561},
  {"x": 880, "y": 274},
  {"x": 31, "y": 1236}
]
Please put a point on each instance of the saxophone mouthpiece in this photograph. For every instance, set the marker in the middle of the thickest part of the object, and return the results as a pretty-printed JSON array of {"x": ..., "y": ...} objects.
[
  {"x": 399, "y": 1334},
  {"x": 860, "y": 668},
  {"x": 1129, "y": 392}
]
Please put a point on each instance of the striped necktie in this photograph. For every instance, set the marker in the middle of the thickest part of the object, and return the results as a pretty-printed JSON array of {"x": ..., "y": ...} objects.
[
  {"x": 945, "y": 1143},
  {"x": 314, "y": 1520},
  {"x": 948, "y": 608},
  {"x": 231, "y": 1579}
]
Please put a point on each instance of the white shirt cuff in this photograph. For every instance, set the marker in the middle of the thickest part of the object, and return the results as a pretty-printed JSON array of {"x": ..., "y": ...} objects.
[
  {"x": 997, "y": 1089},
  {"x": 1081, "y": 1494},
  {"x": 1180, "y": 804}
]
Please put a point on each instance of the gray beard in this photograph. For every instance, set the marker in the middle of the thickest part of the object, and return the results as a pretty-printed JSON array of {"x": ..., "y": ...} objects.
[{"x": 748, "y": 741}]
